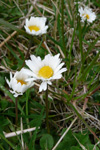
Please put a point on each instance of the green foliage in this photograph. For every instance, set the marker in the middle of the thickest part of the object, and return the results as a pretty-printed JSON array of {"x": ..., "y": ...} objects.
[
  {"x": 46, "y": 142},
  {"x": 70, "y": 143},
  {"x": 75, "y": 148},
  {"x": 96, "y": 97},
  {"x": 67, "y": 142}
]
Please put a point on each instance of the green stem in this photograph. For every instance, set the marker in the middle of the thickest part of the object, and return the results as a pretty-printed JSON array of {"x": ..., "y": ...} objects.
[
  {"x": 27, "y": 119},
  {"x": 28, "y": 51},
  {"x": 26, "y": 106},
  {"x": 62, "y": 26},
  {"x": 16, "y": 110},
  {"x": 47, "y": 109}
]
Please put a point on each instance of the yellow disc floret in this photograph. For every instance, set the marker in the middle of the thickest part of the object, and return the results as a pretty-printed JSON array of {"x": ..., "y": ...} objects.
[
  {"x": 21, "y": 81},
  {"x": 35, "y": 28},
  {"x": 45, "y": 72},
  {"x": 87, "y": 16}
]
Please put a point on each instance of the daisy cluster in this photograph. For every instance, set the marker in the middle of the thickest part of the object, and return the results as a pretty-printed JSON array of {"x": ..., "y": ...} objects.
[{"x": 46, "y": 70}]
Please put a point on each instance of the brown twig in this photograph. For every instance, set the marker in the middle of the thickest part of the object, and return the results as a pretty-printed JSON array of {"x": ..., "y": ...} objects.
[
  {"x": 8, "y": 38},
  {"x": 95, "y": 90}
]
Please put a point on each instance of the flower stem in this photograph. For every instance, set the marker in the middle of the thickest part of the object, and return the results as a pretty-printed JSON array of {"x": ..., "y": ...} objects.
[
  {"x": 16, "y": 110},
  {"x": 28, "y": 51},
  {"x": 62, "y": 27},
  {"x": 47, "y": 109},
  {"x": 27, "y": 120}
]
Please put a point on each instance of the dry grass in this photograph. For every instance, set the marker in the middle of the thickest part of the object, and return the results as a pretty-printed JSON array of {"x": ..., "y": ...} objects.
[{"x": 73, "y": 100}]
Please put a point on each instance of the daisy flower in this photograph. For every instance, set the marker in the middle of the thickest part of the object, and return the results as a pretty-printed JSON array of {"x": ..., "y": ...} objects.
[
  {"x": 87, "y": 14},
  {"x": 46, "y": 70},
  {"x": 36, "y": 25},
  {"x": 18, "y": 83}
]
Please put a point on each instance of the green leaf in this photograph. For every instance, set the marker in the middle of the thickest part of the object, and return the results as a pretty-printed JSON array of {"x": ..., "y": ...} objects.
[
  {"x": 11, "y": 96},
  {"x": 2, "y": 80},
  {"x": 12, "y": 146},
  {"x": 83, "y": 138},
  {"x": 92, "y": 45},
  {"x": 55, "y": 42},
  {"x": 46, "y": 142},
  {"x": 71, "y": 47},
  {"x": 75, "y": 148},
  {"x": 96, "y": 96},
  {"x": 88, "y": 68},
  {"x": 9, "y": 25},
  {"x": 3, "y": 104},
  {"x": 3, "y": 121},
  {"x": 68, "y": 15},
  {"x": 38, "y": 124},
  {"x": 67, "y": 142},
  {"x": 90, "y": 147}
]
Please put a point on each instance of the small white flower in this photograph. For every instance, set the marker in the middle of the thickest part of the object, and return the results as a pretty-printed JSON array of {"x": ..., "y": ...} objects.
[
  {"x": 18, "y": 83},
  {"x": 36, "y": 25},
  {"x": 48, "y": 69},
  {"x": 87, "y": 14}
]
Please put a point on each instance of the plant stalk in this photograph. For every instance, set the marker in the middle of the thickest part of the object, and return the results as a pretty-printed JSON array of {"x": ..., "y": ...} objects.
[
  {"x": 16, "y": 110},
  {"x": 47, "y": 109},
  {"x": 62, "y": 26},
  {"x": 28, "y": 51}
]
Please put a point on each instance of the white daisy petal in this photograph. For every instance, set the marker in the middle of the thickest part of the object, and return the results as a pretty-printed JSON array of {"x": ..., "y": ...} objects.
[
  {"x": 10, "y": 75},
  {"x": 35, "y": 61},
  {"x": 7, "y": 81},
  {"x": 62, "y": 70},
  {"x": 16, "y": 95},
  {"x": 27, "y": 21},
  {"x": 49, "y": 82},
  {"x": 30, "y": 64},
  {"x": 58, "y": 76},
  {"x": 30, "y": 73},
  {"x": 43, "y": 86},
  {"x": 30, "y": 79},
  {"x": 59, "y": 67}
]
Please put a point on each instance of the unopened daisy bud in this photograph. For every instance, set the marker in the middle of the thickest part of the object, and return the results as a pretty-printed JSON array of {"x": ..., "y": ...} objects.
[
  {"x": 87, "y": 14},
  {"x": 18, "y": 83},
  {"x": 36, "y": 25},
  {"x": 46, "y": 70}
]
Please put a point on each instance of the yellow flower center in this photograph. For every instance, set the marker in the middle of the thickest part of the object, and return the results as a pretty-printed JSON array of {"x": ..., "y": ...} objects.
[
  {"x": 35, "y": 28},
  {"x": 45, "y": 72},
  {"x": 87, "y": 16},
  {"x": 21, "y": 81}
]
